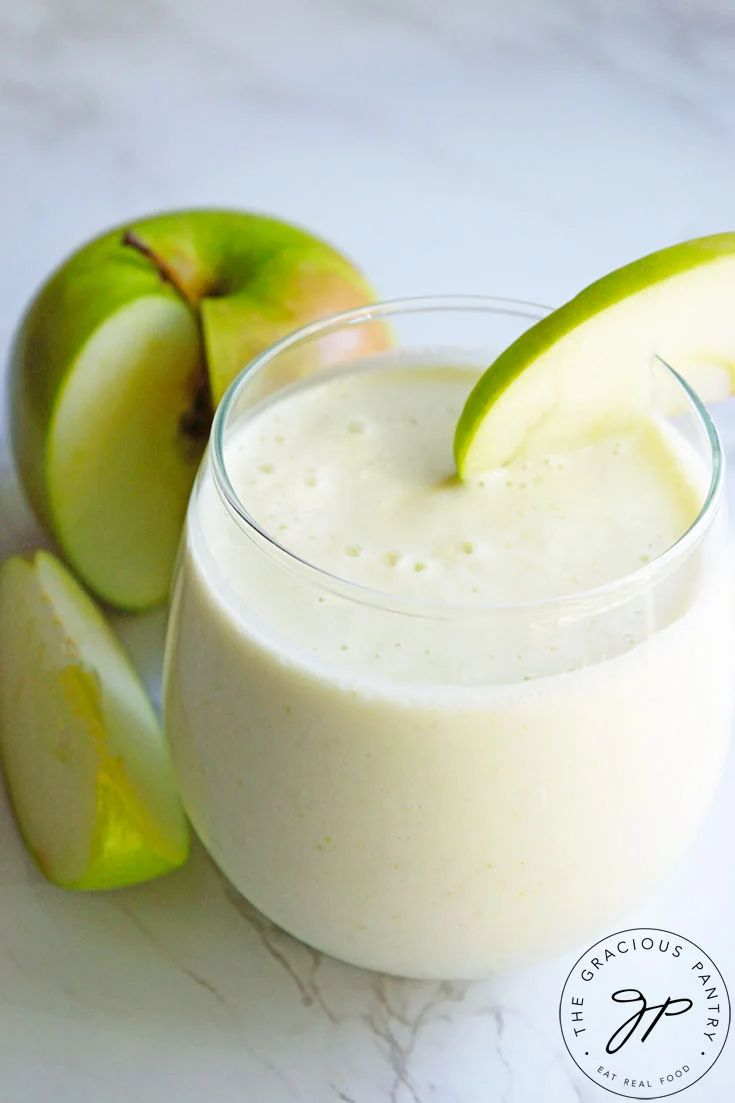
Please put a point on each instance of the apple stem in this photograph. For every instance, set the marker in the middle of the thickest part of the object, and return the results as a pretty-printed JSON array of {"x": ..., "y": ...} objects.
[
  {"x": 195, "y": 423},
  {"x": 131, "y": 239}
]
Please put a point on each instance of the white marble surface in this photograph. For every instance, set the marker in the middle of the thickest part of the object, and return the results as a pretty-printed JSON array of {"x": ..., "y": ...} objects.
[{"x": 516, "y": 148}]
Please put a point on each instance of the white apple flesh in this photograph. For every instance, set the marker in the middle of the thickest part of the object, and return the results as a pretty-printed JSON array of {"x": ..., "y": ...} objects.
[{"x": 86, "y": 764}]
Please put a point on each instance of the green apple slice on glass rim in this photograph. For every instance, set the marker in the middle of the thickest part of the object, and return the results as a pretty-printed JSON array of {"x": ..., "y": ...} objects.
[
  {"x": 85, "y": 760},
  {"x": 584, "y": 369}
]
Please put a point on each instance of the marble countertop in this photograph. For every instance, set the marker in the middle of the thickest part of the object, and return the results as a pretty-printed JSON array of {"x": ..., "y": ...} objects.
[{"x": 517, "y": 149}]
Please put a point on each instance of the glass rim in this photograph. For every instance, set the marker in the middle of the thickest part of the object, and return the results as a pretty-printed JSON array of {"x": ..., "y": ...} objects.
[{"x": 633, "y": 580}]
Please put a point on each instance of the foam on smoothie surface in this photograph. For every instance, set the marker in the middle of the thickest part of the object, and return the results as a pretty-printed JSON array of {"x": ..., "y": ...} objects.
[{"x": 354, "y": 473}]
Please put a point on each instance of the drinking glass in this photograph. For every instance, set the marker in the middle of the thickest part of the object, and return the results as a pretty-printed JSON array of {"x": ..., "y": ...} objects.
[{"x": 478, "y": 804}]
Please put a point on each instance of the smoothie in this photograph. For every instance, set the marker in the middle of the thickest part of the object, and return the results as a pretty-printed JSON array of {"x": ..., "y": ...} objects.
[{"x": 437, "y": 728}]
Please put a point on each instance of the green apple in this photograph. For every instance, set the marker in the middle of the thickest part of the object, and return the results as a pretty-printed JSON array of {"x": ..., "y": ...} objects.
[
  {"x": 85, "y": 760},
  {"x": 120, "y": 361},
  {"x": 585, "y": 368}
]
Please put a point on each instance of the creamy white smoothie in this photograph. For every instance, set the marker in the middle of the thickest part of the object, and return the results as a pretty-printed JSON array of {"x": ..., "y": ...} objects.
[{"x": 395, "y": 727}]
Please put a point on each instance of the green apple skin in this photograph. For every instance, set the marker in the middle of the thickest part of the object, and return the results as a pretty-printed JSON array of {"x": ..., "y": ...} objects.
[
  {"x": 253, "y": 279},
  {"x": 88, "y": 771},
  {"x": 120, "y": 360},
  {"x": 621, "y": 284}
]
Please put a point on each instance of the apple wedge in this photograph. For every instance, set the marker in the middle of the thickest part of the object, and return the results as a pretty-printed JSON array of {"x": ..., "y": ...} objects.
[
  {"x": 120, "y": 361},
  {"x": 584, "y": 369},
  {"x": 85, "y": 760}
]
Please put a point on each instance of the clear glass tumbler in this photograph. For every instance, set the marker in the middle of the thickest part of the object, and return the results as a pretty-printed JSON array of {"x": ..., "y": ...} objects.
[{"x": 460, "y": 812}]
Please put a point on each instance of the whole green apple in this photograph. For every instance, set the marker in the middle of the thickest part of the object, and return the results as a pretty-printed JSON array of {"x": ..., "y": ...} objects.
[{"x": 120, "y": 361}]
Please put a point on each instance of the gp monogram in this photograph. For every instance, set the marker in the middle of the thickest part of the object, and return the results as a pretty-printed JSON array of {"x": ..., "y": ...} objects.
[{"x": 644, "y": 1013}]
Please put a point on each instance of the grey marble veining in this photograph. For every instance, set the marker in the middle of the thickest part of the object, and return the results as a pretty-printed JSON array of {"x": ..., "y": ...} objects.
[{"x": 511, "y": 148}]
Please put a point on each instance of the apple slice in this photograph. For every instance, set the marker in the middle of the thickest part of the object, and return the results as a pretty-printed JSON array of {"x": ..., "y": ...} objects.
[
  {"x": 86, "y": 764},
  {"x": 120, "y": 361},
  {"x": 585, "y": 369}
]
